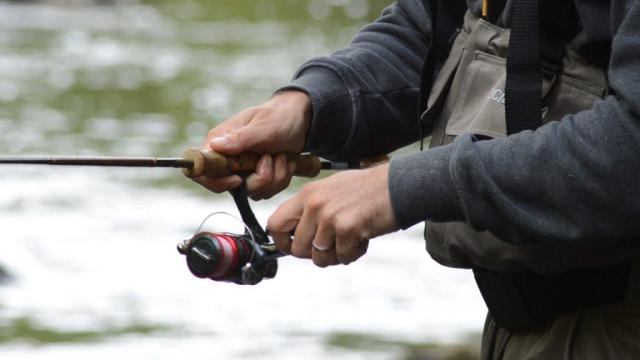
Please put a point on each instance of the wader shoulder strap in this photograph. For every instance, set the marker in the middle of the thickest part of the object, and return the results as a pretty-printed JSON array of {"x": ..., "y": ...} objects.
[{"x": 523, "y": 107}]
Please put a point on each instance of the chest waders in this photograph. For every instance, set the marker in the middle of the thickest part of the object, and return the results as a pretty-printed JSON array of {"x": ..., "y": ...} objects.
[{"x": 539, "y": 298}]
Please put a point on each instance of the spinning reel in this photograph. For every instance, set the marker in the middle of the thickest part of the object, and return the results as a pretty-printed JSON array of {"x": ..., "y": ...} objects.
[
  {"x": 248, "y": 258},
  {"x": 243, "y": 259}
]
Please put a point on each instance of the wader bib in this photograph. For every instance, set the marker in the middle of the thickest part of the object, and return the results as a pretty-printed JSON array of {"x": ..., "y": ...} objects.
[{"x": 547, "y": 301}]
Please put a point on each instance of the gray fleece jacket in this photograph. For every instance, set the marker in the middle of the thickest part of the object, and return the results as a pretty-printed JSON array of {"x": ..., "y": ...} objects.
[{"x": 576, "y": 180}]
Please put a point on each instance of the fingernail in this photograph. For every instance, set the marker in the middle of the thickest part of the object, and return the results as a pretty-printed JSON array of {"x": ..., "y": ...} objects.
[
  {"x": 221, "y": 141},
  {"x": 266, "y": 165}
]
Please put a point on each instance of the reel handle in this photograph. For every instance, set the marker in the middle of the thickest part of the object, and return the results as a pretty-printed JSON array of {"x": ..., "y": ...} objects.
[{"x": 216, "y": 165}]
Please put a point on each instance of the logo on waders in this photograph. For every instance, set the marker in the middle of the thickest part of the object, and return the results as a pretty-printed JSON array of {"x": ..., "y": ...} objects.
[{"x": 498, "y": 95}]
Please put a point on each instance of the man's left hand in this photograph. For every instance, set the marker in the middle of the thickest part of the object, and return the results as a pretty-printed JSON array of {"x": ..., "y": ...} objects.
[{"x": 334, "y": 218}]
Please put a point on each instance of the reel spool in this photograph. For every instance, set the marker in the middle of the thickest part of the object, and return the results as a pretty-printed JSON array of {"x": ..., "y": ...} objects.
[{"x": 242, "y": 258}]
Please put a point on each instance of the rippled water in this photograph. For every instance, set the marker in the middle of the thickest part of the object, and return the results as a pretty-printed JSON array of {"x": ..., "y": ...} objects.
[{"x": 91, "y": 252}]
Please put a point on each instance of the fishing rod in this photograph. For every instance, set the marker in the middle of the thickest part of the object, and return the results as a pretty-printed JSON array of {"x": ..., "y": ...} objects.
[
  {"x": 244, "y": 259},
  {"x": 194, "y": 163}
]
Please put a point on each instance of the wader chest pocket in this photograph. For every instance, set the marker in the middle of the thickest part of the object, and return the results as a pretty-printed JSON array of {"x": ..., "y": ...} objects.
[{"x": 479, "y": 108}]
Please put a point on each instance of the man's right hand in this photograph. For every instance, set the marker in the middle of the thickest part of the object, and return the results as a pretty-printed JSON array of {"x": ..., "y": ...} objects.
[{"x": 272, "y": 129}]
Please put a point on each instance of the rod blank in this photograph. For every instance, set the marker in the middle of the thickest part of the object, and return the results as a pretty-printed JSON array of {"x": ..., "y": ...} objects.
[{"x": 98, "y": 161}]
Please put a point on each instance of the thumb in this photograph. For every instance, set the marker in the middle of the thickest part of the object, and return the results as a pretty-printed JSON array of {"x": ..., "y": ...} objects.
[{"x": 237, "y": 141}]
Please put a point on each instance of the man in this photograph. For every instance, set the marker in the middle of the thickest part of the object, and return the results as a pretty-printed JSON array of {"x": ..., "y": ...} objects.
[{"x": 546, "y": 218}]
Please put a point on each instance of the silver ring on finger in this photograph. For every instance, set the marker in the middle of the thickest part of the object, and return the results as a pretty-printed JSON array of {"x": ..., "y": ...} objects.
[{"x": 321, "y": 248}]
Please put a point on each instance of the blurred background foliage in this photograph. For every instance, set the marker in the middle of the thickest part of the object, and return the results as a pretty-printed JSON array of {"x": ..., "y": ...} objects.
[
  {"x": 162, "y": 69},
  {"x": 151, "y": 77}
]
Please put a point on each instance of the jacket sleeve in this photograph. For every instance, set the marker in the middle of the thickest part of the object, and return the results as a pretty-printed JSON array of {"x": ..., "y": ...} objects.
[
  {"x": 576, "y": 180},
  {"x": 365, "y": 97}
]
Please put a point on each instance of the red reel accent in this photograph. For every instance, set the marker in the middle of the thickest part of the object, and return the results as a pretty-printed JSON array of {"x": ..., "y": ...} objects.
[{"x": 229, "y": 257}]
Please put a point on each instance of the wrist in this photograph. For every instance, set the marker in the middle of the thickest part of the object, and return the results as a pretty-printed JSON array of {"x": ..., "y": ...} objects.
[
  {"x": 298, "y": 100},
  {"x": 331, "y": 109},
  {"x": 297, "y": 106}
]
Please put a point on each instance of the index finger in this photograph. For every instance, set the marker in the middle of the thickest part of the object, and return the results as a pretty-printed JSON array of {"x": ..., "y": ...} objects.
[{"x": 284, "y": 221}]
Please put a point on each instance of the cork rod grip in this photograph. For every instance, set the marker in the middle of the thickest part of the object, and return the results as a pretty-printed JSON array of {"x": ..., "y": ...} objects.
[{"x": 216, "y": 165}]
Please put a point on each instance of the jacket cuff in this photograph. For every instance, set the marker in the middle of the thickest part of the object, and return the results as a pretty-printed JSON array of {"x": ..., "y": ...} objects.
[
  {"x": 331, "y": 107},
  {"x": 421, "y": 188}
]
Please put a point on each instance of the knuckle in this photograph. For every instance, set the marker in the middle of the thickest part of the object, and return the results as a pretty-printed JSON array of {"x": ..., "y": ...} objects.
[
  {"x": 325, "y": 215},
  {"x": 344, "y": 227},
  {"x": 364, "y": 233},
  {"x": 314, "y": 203},
  {"x": 274, "y": 224}
]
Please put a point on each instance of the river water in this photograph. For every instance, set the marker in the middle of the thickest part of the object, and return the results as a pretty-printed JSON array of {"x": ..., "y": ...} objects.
[{"x": 93, "y": 270}]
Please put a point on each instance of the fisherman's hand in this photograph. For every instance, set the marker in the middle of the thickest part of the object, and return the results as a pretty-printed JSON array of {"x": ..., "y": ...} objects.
[
  {"x": 277, "y": 127},
  {"x": 334, "y": 218}
]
